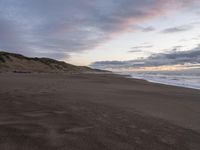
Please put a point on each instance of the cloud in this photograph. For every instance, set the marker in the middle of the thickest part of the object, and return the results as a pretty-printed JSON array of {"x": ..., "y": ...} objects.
[
  {"x": 148, "y": 29},
  {"x": 61, "y": 27},
  {"x": 142, "y": 46},
  {"x": 177, "y": 29},
  {"x": 155, "y": 60},
  {"x": 177, "y": 48},
  {"x": 139, "y": 48},
  {"x": 135, "y": 51},
  {"x": 144, "y": 29}
]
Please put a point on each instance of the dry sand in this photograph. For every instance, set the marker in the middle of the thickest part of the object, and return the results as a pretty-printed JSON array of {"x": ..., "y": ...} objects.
[{"x": 96, "y": 112}]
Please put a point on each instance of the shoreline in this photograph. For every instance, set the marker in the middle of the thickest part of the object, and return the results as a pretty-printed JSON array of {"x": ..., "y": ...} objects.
[{"x": 169, "y": 83}]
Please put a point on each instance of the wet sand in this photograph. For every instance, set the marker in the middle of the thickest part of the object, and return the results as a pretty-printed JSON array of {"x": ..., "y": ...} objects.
[{"x": 96, "y": 112}]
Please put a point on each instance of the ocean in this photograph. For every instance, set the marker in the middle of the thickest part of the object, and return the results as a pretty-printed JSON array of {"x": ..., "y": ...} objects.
[{"x": 181, "y": 79}]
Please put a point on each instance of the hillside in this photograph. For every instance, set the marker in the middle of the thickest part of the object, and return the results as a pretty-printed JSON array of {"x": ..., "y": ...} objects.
[{"x": 11, "y": 62}]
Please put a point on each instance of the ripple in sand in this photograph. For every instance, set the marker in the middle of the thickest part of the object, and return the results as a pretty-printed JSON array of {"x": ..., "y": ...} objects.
[
  {"x": 35, "y": 114},
  {"x": 59, "y": 112},
  {"x": 25, "y": 128},
  {"x": 77, "y": 129}
]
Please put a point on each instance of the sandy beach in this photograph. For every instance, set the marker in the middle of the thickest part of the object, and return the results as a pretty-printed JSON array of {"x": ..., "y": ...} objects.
[{"x": 95, "y": 112}]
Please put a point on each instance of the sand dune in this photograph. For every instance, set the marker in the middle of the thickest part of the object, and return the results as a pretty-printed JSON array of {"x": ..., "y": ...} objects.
[{"x": 11, "y": 62}]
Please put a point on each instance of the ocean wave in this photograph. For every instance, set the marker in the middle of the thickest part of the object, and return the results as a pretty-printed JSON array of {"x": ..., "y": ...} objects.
[{"x": 188, "y": 81}]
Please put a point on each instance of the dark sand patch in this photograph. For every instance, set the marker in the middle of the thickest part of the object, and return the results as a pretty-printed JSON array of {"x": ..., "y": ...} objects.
[{"x": 84, "y": 113}]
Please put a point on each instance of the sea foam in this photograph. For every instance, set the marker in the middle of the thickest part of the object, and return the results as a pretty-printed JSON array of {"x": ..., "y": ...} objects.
[{"x": 181, "y": 80}]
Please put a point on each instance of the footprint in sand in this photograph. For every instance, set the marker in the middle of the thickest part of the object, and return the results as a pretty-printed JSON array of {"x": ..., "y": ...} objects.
[
  {"x": 133, "y": 126},
  {"x": 168, "y": 140},
  {"x": 138, "y": 140},
  {"x": 146, "y": 131}
]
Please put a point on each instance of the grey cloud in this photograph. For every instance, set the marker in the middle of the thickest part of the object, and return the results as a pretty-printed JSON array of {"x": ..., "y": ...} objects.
[
  {"x": 144, "y": 29},
  {"x": 178, "y": 29},
  {"x": 139, "y": 48},
  {"x": 177, "y": 48},
  {"x": 135, "y": 51},
  {"x": 64, "y": 26},
  {"x": 148, "y": 29},
  {"x": 160, "y": 59},
  {"x": 142, "y": 46}
]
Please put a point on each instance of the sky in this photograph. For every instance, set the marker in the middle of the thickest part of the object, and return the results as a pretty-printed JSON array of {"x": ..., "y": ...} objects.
[{"x": 125, "y": 34}]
